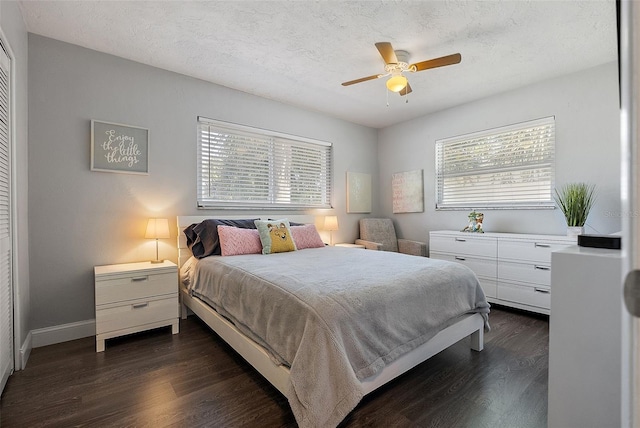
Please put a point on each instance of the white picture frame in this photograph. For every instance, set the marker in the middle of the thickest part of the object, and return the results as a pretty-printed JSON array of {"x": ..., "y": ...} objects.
[
  {"x": 358, "y": 192},
  {"x": 408, "y": 192},
  {"x": 120, "y": 148}
]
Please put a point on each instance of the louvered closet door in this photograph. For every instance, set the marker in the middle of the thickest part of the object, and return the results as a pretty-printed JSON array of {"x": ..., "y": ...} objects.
[{"x": 6, "y": 293}]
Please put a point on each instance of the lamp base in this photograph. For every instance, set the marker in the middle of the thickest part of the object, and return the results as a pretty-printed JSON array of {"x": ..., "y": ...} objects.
[{"x": 156, "y": 261}]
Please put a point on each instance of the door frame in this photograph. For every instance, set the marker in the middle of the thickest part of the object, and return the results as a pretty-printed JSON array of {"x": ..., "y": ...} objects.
[{"x": 629, "y": 63}]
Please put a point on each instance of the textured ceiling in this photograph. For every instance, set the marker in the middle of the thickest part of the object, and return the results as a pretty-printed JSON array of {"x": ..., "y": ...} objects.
[{"x": 299, "y": 52}]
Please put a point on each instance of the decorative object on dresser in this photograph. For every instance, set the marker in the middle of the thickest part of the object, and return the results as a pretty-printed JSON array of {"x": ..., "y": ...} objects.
[
  {"x": 575, "y": 200},
  {"x": 380, "y": 234},
  {"x": 514, "y": 269},
  {"x": 475, "y": 222},
  {"x": 135, "y": 297},
  {"x": 157, "y": 228},
  {"x": 331, "y": 224}
]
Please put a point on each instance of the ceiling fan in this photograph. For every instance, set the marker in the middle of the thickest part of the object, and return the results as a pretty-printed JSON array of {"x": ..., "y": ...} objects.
[{"x": 397, "y": 63}]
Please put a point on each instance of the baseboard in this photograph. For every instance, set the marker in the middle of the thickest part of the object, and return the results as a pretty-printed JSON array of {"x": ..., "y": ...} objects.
[
  {"x": 25, "y": 351},
  {"x": 63, "y": 333}
]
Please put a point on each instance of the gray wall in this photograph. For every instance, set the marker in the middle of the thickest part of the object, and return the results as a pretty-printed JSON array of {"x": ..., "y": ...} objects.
[
  {"x": 79, "y": 219},
  {"x": 586, "y": 109},
  {"x": 15, "y": 34}
]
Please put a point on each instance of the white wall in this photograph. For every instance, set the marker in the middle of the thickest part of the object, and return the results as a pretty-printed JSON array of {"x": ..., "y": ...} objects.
[
  {"x": 79, "y": 219},
  {"x": 15, "y": 34},
  {"x": 586, "y": 109}
]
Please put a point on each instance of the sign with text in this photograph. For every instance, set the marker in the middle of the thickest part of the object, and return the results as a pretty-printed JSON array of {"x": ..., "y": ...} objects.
[{"x": 119, "y": 148}]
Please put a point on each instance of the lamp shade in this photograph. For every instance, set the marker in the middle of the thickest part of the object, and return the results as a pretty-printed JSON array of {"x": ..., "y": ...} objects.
[
  {"x": 157, "y": 228},
  {"x": 331, "y": 223},
  {"x": 397, "y": 83}
]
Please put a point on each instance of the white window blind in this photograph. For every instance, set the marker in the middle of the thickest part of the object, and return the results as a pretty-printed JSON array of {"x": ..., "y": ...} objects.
[
  {"x": 243, "y": 167},
  {"x": 507, "y": 167}
]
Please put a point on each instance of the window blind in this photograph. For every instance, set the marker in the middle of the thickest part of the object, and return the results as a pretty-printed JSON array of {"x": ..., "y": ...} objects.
[
  {"x": 507, "y": 167},
  {"x": 243, "y": 167}
]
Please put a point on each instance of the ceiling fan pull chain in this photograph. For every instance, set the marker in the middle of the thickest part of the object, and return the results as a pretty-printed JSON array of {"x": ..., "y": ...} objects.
[{"x": 387, "y": 92}]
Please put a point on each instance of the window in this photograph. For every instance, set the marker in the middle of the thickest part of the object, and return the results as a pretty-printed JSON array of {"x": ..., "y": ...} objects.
[
  {"x": 243, "y": 167},
  {"x": 508, "y": 167}
]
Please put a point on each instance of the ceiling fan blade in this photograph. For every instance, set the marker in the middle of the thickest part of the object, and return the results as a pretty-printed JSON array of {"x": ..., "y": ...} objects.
[
  {"x": 387, "y": 52},
  {"x": 406, "y": 90},
  {"x": 363, "y": 79},
  {"x": 437, "y": 62}
]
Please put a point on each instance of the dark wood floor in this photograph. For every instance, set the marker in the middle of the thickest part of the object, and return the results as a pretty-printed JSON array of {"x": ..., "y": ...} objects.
[{"x": 194, "y": 379}]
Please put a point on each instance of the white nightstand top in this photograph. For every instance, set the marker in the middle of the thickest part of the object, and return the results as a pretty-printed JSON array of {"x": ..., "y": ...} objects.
[
  {"x": 139, "y": 267},
  {"x": 349, "y": 245}
]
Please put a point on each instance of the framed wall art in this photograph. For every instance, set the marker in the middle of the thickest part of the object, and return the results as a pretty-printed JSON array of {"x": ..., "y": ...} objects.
[
  {"x": 358, "y": 192},
  {"x": 119, "y": 148},
  {"x": 408, "y": 193}
]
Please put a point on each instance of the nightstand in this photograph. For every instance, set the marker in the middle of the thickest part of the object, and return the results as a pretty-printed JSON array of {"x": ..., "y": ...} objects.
[
  {"x": 350, "y": 245},
  {"x": 134, "y": 297}
]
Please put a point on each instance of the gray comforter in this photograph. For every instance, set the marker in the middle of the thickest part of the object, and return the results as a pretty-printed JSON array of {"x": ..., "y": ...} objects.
[{"x": 335, "y": 315}]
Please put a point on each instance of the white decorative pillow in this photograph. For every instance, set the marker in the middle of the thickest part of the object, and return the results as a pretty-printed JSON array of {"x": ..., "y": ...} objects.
[{"x": 275, "y": 236}]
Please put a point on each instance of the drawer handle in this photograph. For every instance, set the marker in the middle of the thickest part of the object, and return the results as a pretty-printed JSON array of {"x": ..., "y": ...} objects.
[
  {"x": 542, "y": 245},
  {"x": 540, "y": 290},
  {"x": 462, "y": 259},
  {"x": 461, "y": 240},
  {"x": 140, "y": 305},
  {"x": 542, "y": 268},
  {"x": 139, "y": 278}
]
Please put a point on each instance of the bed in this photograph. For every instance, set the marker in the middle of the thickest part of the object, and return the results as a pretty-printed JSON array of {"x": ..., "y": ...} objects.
[{"x": 329, "y": 328}]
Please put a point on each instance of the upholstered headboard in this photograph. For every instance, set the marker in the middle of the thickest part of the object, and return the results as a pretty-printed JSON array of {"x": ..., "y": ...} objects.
[{"x": 184, "y": 221}]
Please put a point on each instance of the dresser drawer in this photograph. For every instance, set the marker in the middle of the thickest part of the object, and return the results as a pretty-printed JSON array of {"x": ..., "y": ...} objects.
[
  {"x": 535, "y": 273},
  {"x": 527, "y": 295},
  {"x": 467, "y": 245},
  {"x": 534, "y": 250},
  {"x": 135, "y": 313},
  {"x": 489, "y": 287},
  {"x": 481, "y": 267},
  {"x": 128, "y": 287}
]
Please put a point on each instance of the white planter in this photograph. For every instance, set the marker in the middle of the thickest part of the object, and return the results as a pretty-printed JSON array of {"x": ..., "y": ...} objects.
[{"x": 575, "y": 231}]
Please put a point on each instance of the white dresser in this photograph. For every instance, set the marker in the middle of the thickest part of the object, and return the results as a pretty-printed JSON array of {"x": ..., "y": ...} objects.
[
  {"x": 514, "y": 269},
  {"x": 134, "y": 297}
]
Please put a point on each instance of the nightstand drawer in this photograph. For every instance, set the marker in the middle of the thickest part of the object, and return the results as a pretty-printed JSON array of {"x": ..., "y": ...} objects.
[
  {"x": 135, "y": 313},
  {"x": 128, "y": 287}
]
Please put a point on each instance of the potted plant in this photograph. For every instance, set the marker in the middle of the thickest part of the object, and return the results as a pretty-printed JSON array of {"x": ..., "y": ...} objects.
[{"x": 575, "y": 200}]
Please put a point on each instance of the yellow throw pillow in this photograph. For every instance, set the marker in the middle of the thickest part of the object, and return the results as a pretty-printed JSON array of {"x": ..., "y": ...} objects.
[{"x": 275, "y": 236}]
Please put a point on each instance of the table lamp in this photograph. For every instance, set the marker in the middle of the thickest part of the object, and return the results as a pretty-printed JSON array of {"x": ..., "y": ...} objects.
[
  {"x": 157, "y": 228},
  {"x": 331, "y": 224}
]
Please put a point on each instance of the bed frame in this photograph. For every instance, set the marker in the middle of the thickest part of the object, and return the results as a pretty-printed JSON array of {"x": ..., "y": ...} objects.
[{"x": 471, "y": 325}]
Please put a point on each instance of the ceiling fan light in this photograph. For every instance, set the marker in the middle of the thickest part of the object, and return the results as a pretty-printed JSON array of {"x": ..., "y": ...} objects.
[{"x": 397, "y": 83}]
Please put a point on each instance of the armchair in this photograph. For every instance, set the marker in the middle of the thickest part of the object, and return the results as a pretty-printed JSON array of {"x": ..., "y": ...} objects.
[{"x": 379, "y": 234}]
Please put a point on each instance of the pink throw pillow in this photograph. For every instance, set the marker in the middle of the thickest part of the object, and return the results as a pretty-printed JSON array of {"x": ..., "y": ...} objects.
[
  {"x": 235, "y": 241},
  {"x": 306, "y": 237}
]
